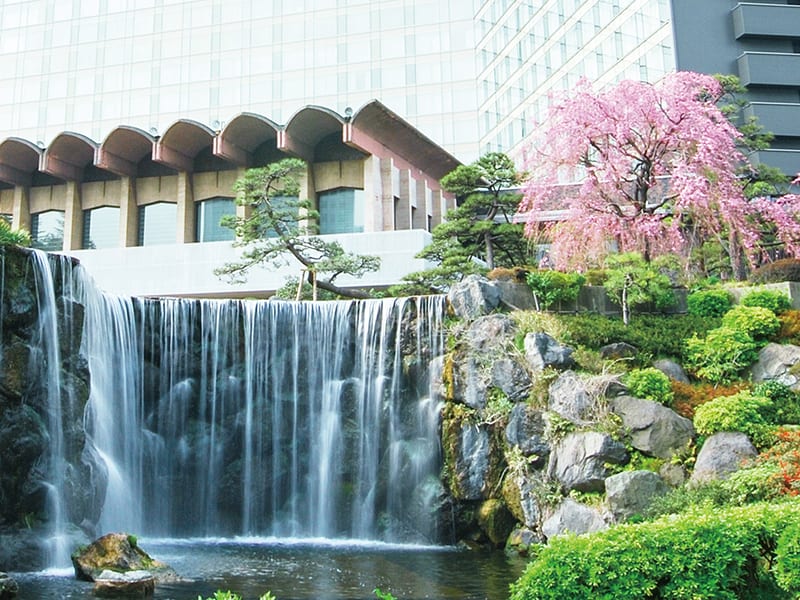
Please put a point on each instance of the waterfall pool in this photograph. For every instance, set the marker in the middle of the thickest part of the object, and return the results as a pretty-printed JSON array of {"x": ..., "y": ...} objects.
[{"x": 307, "y": 570}]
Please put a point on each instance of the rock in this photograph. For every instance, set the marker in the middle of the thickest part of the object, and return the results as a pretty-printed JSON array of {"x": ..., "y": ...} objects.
[
  {"x": 470, "y": 477},
  {"x": 722, "y": 454},
  {"x": 490, "y": 332},
  {"x": 516, "y": 294},
  {"x": 117, "y": 552},
  {"x": 573, "y": 517},
  {"x": 473, "y": 296},
  {"x": 618, "y": 350},
  {"x": 655, "y": 429},
  {"x": 521, "y": 539},
  {"x": 495, "y": 520},
  {"x": 629, "y": 493},
  {"x": 579, "y": 461},
  {"x": 511, "y": 377},
  {"x": 438, "y": 388},
  {"x": 525, "y": 430},
  {"x": 470, "y": 384},
  {"x": 8, "y": 587},
  {"x": 673, "y": 475},
  {"x": 568, "y": 397},
  {"x": 775, "y": 362},
  {"x": 132, "y": 584},
  {"x": 518, "y": 492},
  {"x": 543, "y": 351},
  {"x": 671, "y": 369}
]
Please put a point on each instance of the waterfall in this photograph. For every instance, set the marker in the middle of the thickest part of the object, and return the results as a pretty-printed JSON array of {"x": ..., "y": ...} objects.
[{"x": 264, "y": 418}]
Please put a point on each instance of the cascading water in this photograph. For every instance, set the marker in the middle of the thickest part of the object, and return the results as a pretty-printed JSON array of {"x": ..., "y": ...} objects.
[{"x": 266, "y": 418}]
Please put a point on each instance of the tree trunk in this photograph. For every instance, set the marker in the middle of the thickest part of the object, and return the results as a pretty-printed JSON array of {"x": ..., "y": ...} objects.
[{"x": 489, "y": 251}]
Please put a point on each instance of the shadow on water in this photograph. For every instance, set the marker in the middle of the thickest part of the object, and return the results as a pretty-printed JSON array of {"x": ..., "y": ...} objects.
[{"x": 303, "y": 570}]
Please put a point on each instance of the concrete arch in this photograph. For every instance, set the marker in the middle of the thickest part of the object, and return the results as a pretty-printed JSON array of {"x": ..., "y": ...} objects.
[
  {"x": 306, "y": 128},
  {"x": 181, "y": 143},
  {"x": 19, "y": 159},
  {"x": 242, "y": 137},
  {"x": 122, "y": 150},
  {"x": 67, "y": 156}
]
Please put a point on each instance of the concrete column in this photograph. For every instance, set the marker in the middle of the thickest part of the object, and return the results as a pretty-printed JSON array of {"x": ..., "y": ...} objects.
[
  {"x": 21, "y": 210},
  {"x": 373, "y": 195},
  {"x": 387, "y": 194},
  {"x": 186, "y": 212},
  {"x": 73, "y": 216},
  {"x": 436, "y": 207},
  {"x": 242, "y": 211},
  {"x": 128, "y": 213},
  {"x": 308, "y": 192},
  {"x": 419, "y": 218},
  {"x": 402, "y": 208}
]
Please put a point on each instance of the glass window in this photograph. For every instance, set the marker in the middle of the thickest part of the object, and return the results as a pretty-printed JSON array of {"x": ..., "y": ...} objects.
[
  {"x": 157, "y": 223},
  {"x": 101, "y": 227},
  {"x": 341, "y": 211},
  {"x": 47, "y": 230},
  {"x": 209, "y": 215}
]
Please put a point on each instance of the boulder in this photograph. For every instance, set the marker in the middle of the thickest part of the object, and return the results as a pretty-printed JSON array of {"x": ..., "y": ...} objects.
[
  {"x": 775, "y": 362},
  {"x": 543, "y": 351},
  {"x": 525, "y": 430},
  {"x": 568, "y": 397},
  {"x": 495, "y": 521},
  {"x": 722, "y": 454},
  {"x": 511, "y": 377},
  {"x": 673, "y": 475},
  {"x": 573, "y": 517},
  {"x": 629, "y": 493},
  {"x": 521, "y": 539},
  {"x": 520, "y": 497},
  {"x": 471, "y": 463},
  {"x": 490, "y": 332},
  {"x": 473, "y": 296},
  {"x": 132, "y": 584},
  {"x": 8, "y": 587},
  {"x": 654, "y": 429},
  {"x": 579, "y": 461},
  {"x": 671, "y": 369},
  {"x": 117, "y": 552},
  {"x": 470, "y": 383},
  {"x": 618, "y": 350}
]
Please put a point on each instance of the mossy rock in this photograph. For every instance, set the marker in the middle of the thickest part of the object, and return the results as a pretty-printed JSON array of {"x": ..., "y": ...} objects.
[
  {"x": 120, "y": 553},
  {"x": 496, "y": 521}
]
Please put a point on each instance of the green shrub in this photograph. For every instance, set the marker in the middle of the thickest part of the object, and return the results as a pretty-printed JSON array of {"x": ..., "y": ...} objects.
[
  {"x": 721, "y": 355},
  {"x": 785, "y": 402},
  {"x": 704, "y": 554},
  {"x": 790, "y": 327},
  {"x": 759, "y": 323},
  {"x": 709, "y": 303},
  {"x": 13, "y": 237},
  {"x": 787, "y": 563},
  {"x": 650, "y": 384},
  {"x": 785, "y": 269},
  {"x": 773, "y": 300},
  {"x": 228, "y": 595},
  {"x": 550, "y": 287},
  {"x": 741, "y": 412}
]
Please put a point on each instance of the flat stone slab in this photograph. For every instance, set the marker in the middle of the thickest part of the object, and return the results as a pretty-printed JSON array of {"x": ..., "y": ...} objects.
[{"x": 133, "y": 584}]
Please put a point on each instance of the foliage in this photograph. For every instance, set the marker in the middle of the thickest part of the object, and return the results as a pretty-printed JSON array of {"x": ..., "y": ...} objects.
[
  {"x": 785, "y": 269},
  {"x": 532, "y": 321},
  {"x": 785, "y": 402},
  {"x": 709, "y": 303},
  {"x": 632, "y": 281},
  {"x": 787, "y": 563},
  {"x": 382, "y": 595},
  {"x": 790, "y": 327},
  {"x": 550, "y": 286},
  {"x": 650, "y": 384},
  {"x": 498, "y": 407},
  {"x": 622, "y": 143},
  {"x": 13, "y": 237},
  {"x": 784, "y": 457},
  {"x": 132, "y": 540},
  {"x": 757, "y": 322},
  {"x": 480, "y": 233},
  {"x": 721, "y": 355},
  {"x": 228, "y": 595},
  {"x": 288, "y": 291},
  {"x": 773, "y": 300},
  {"x": 741, "y": 412},
  {"x": 689, "y": 396},
  {"x": 703, "y": 554},
  {"x": 277, "y": 227},
  {"x": 645, "y": 332}
]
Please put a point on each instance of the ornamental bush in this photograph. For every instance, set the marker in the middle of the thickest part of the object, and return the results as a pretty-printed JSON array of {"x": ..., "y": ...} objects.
[
  {"x": 706, "y": 553},
  {"x": 709, "y": 303},
  {"x": 758, "y": 322},
  {"x": 721, "y": 355},
  {"x": 773, "y": 300},
  {"x": 650, "y": 384},
  {"x": 790, "y": 327},
  {"x": 550, "y": 287},
  {"x": 785, "y": 402},
  {"x": 741, "y": 412}
]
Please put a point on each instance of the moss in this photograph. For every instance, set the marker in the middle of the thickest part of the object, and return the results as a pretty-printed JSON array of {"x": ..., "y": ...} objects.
[{"x": 495, "y": 520}]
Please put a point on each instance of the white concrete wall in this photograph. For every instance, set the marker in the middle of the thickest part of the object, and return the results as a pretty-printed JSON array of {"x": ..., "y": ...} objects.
[{"x": 188, "y": 269}]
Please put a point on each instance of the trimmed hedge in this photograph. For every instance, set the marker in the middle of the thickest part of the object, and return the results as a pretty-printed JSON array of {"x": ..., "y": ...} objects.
[{"x": 705, "y": 553}]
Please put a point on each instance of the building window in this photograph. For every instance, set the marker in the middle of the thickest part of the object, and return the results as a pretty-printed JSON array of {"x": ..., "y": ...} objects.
[
  {"x": 157, "y": 223},
  {"x": 47, "y": 230},
  {"x": 101, "y": 228},
  {"x": 6, "y": 217},
  {"x": 341, "y": 211},
  {"x": 209, "y": 215}
]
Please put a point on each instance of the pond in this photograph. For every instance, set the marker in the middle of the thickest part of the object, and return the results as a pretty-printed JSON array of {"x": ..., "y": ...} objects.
[{"x": 307, "y": 570}]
